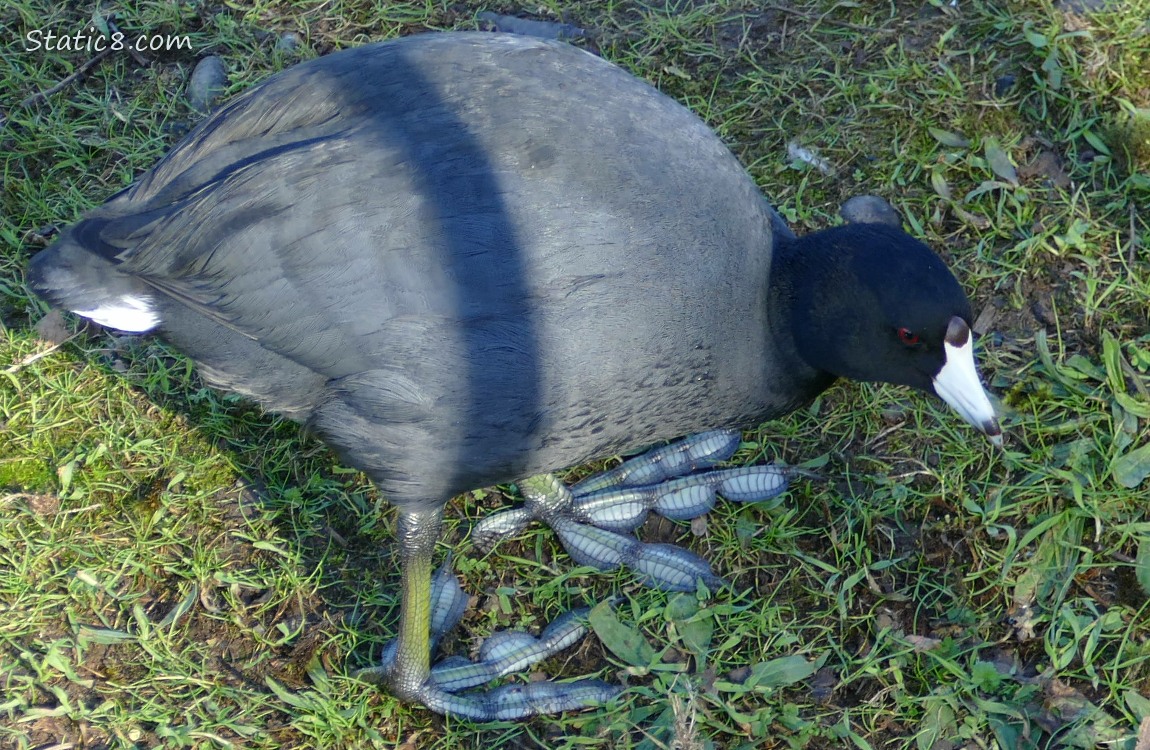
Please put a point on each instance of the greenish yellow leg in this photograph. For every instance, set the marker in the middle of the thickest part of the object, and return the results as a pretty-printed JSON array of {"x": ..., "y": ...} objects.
[
  {"x": 418, "y": 533},
  {"x": 405, "y": 667}
]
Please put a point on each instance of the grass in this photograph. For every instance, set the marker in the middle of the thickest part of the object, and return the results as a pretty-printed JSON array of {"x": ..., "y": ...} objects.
[{"x": 177, "y": 569}]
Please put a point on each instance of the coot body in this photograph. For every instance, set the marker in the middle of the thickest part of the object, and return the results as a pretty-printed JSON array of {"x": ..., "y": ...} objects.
[
  {"x": 471, "y": 258},
  {"x": 487, "y": 254}
]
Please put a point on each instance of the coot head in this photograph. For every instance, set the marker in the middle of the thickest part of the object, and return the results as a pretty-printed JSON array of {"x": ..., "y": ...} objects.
[{"x": 869, "y": 302}]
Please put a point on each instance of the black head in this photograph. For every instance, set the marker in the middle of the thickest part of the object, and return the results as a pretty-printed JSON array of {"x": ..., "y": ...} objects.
[{"x": 870, "y": 302}]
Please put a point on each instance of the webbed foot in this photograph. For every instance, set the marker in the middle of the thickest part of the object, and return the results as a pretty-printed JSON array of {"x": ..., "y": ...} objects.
[
  {"x": 589, "y": 516},
  {"x": 503, "y": 653}
]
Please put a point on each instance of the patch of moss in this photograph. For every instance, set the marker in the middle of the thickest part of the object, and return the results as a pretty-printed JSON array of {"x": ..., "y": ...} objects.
[
  {"x": 27, "y": 474},
  {"x": 1128, "y": 137}
]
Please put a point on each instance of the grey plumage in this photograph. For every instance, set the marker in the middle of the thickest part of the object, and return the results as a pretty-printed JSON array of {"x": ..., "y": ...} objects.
[
  {"x": 465, "y": 259},
  {"x": 410, "y": 297}
]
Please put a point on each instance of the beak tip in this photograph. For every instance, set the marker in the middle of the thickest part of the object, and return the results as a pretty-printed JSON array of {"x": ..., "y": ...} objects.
[{"x": 957, "y": 383}]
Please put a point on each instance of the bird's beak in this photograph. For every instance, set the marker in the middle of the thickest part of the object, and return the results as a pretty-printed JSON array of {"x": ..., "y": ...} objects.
[{"x": 957, "y": 382}]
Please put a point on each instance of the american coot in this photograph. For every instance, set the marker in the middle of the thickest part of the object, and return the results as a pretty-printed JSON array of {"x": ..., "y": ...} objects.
[{"x": 468, "y": 258}]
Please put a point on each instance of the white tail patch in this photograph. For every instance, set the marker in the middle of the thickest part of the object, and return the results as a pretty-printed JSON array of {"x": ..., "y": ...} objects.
[{"x": 128, "y": 313}]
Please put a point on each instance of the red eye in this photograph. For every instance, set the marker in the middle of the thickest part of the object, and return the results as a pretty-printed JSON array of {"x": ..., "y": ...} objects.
[{"x": 907, "y": 336}]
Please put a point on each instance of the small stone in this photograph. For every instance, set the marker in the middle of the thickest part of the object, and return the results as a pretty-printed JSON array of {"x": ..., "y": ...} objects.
[
  {"x": 287, "y": 42},
  {"x": 1081, "y": 6},
  {"x": 894, "y": 414},
  {"x": 1003, "y": 84},
  {"x": 870, "y": 209},
  {"x": 1040, "y": 309},
  {"x": 208, "y": 82},
  {"x": 530, "y": 27}
]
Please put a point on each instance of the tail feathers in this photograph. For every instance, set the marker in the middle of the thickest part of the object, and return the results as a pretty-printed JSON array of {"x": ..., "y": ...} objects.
[{"x": 70, "y": 276}]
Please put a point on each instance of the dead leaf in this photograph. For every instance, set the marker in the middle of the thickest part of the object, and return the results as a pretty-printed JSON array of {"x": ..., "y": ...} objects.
[
  {"x": 1143, "y": 734},
  {"x": 923, "y": 643},
  {"x": 1046, "y": 165},
  {"x": 1023, "y": 618},
  {"x": 978, "y": 222},
  {"x": 43, "y": 505},
  {"x": 52, "y": 328},
  {"x": 985, "y": 320},
  {"x": 411, "y": 743}
]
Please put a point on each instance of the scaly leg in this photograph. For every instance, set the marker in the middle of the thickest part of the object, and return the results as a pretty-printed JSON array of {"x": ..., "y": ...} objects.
[{"x": 429, "y": 609}]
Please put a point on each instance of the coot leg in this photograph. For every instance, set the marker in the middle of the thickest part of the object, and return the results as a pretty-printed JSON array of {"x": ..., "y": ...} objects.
[
  {"x": 418, "y": 531},
  {"x": 431, "y": 607},
  {"x": 588, "y": 516}
]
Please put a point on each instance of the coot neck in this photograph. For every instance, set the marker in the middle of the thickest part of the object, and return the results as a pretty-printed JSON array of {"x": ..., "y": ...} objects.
[{"x": 796, "y": 266}]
